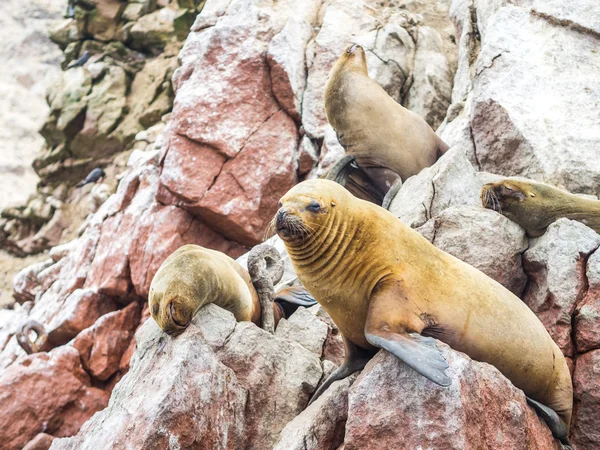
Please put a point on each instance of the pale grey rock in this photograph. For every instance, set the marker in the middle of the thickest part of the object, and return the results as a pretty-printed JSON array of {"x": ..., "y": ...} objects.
[
  {"x": 451, "y": 181},
  {"x": 555, "y": 264},
  {"x": 304, "y": 328},
  {"x": 485, "y": 239}
]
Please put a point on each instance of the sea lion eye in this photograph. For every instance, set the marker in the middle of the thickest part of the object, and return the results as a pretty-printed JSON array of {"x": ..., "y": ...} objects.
[
  {"x": 155, "y": 309},
  {"x": 507, "y": 188},
  {"x": 313, "y": 206}
]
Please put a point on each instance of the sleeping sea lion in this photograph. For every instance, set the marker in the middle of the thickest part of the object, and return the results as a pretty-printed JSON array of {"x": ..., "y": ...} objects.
[
  {"x": 387, "y": 140},
  {"x": 193, "y": 276},
  {"x": 534, "y": 206},
  {"x": 385, "y": 286}
]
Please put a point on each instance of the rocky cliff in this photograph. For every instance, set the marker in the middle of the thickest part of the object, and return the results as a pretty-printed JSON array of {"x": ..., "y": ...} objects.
[{"x": 505, "y": 80}]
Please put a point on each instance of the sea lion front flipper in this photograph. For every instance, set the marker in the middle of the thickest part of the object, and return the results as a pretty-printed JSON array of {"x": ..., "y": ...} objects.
[
  {"x": 559, "y": 428},
  {"x": 355, "y": 359},
  {"x": 393, "y": 326},
  {"x": 389, "y": 196},
  {"x": 290, "y": 298}
]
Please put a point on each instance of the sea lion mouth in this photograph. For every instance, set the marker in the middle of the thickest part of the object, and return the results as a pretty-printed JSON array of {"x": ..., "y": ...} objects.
[
  {"x": 489, "y": 199},
  {"x": 289, "y": 226},
  {"x": 352, "y": 48}
]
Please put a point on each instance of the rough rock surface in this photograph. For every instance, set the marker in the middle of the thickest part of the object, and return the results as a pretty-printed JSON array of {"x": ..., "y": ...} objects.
[
  {"x": 586, "y": 382},
  {"x": 218, "y": 385},
  {"x": 480, "y": 409},
  {"x": 46, "y": 392},
  {"x": 555, "y": 265},
  {"x": 587, "y": 320}
]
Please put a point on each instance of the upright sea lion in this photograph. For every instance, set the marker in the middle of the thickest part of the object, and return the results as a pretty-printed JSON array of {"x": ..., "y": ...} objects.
[
  {"x": 534, "y": 206},
  {"x": 386, "y": 139},
  {"x": 193, "y": 276},
  {"x": 385, "y": 286}
]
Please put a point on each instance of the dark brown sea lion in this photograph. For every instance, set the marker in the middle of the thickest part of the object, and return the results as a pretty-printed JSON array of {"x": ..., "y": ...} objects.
[
  {"x": 193, "y": 276},
  {"x": 385, "y": 286},
  {"x": 387, "y": 140},
  {"x": 534, "y": 206}
]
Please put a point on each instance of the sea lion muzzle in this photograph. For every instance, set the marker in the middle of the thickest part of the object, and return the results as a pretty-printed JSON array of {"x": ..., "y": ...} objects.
[{"x": 289, "y": 225}]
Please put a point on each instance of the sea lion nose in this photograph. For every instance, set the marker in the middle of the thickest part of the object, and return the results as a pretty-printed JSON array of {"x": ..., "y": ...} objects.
[{"x": 281, "y": 216}]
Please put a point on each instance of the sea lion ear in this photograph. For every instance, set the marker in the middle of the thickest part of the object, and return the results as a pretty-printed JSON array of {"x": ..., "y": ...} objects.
[{"x": 532, "y": 194}]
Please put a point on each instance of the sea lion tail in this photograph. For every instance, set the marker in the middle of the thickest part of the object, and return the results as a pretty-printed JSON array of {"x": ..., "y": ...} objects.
[{"x": 290, "y": 298}]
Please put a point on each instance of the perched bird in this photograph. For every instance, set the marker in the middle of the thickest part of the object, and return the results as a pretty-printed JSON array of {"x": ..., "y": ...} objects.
[
  {"x": 81, "y": 61},
  {"x": 70, "y": 10},
  {"x": 92, "y": 177},
  {"x": 386, "y": 140}
]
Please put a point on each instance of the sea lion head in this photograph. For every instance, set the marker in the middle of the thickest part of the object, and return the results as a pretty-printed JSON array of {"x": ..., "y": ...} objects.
[
  {"x": 308, "y": 210},
  {"x": 175, "y": 294},
  {"x": 353, "y": 58},
  {"x": 528, "y": 204}
]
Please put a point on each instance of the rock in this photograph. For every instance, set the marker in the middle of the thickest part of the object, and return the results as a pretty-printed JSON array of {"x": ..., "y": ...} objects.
[
  {"x": 218, "y": 385},
  {"x": 152, "y": 32},
  {"x": 307, "y": 156},
  {"x": 587, "y": 319},
  {"x": 321, "y": 425},
  {"x": 451, "y": 181},
  {"x": 333, "y": 349},
  {"x": 508, "y": 53},
  {"x": 42, "y": 441},
  {"x": 555, "y": 264},
  {"x": 485, "y": 239},
  {"x": 585, "y": 433},
  {"x": 10, "y": 321},
  {"x": 102, "y": 21},
  {"x": 102, "y": 346},
  {"x": 305, "y": 329},
  {"x": 26, "y": 284},
  {"x": 28, "y": 407},
  {"x": 480, "y": 409}
]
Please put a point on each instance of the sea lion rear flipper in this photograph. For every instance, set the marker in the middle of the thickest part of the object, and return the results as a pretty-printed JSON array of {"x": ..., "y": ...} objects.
[
  {"x": 559, "y": 428},
  {"x": 392, "y": 325},
  {"x": 355, "y": 359},
  {"x": 340, "y": 170},
  {"x": 290, "y": 298}
]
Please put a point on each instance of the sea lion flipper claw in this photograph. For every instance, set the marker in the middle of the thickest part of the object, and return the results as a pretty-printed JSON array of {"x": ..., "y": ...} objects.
[
  {"x": 559, "y": 428},
  {"x": 419, "y": 352}
]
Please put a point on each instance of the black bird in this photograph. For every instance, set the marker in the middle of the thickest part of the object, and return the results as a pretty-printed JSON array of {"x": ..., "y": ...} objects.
[
  {"x": 81, "y": 61},
  {"x": 92, "y": 177},
  {"x": 70, "y": 10}
]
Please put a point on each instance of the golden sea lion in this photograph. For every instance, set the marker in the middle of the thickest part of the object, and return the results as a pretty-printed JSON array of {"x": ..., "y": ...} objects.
[
  {"x": 385, "y": 286},
  {"x": 534, "y": 206},
  {"x": 193, "y": 276},
  {"x": 386, "y": 139}
]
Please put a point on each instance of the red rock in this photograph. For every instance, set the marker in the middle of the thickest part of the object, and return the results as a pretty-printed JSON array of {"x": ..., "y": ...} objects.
[
  {"x": 103, "y": 344},
  {"x": 392, "y": 406},
  {"x": 159, "y": 232},
  {"x": 244, "y": 197},
  {"x": 126, "y": 358},
  {"x": 585, "y": 431},
  {"x": 333, "y": 349},
  {"x": 556, "y": 267},
  {"x": 28, "y": 408},
  {"x": 587, "y": 318},
  {"x": 42, "y": 441}
]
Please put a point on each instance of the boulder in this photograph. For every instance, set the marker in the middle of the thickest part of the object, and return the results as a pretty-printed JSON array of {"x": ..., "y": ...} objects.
[
  {"x": 102, "y": 345},
  {"x": 587, "y": 318},
  {"x": 555, "y": 264},
  {"x": 485, "y": 239},
  {"x": 507, "y": 52},
  {"x": 29, "y": 409},
  {"x": 42, "y": 441},
  {"x": 480, "y": 409},
  {"x": 586, "y": 384},
  {"x": 220, "y": 384},
  {"x": 451, "y": 181}
]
